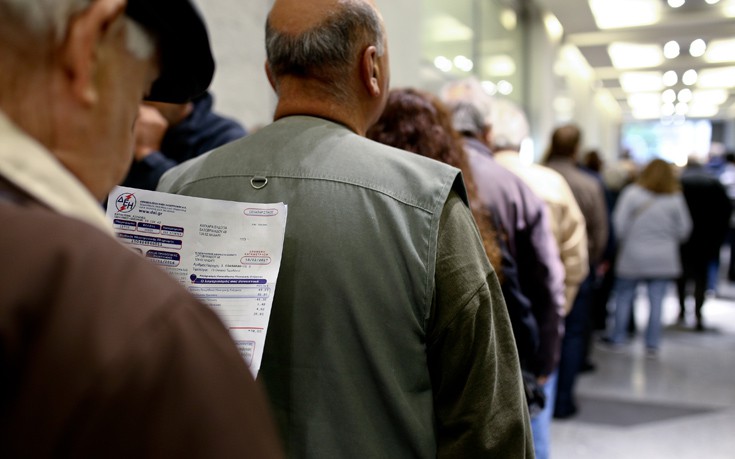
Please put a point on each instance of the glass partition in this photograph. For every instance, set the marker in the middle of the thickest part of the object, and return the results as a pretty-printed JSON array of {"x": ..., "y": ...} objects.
[{"x": 474, "y": 37}]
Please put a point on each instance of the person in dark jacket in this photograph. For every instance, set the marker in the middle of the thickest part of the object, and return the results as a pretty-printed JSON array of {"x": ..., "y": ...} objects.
[
  {"x": 103, "y": 354},
  {"x": 710, "y": 209},
  {"x": 169, "y": 134}
]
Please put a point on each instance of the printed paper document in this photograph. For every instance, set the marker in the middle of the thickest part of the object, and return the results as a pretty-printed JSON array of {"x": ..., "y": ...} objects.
[{"x": 226, "y": 253}]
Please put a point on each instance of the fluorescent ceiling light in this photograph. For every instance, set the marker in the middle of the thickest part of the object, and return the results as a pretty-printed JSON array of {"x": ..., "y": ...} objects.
[
  {"x": 703, "y": 111},
  {"x": 644, "y": 100},
  {"x": 647, "y": 113},
  {"x": 504, "y": 87},
  {"x": 616, "y": 14},
  {"x": 670, "y": 78},
  {"x": 489, "y": 87},
  {"x": 631, "y": 55},
  {"x": 575, "y": 62},
  {"x": 709, "y": 97},
  {"x": 446, "y": 28},
  {"x": 671, "y": 49},
  {"x": 690, "y": 77},
  {"x": 641, "y": 81},
  {"x": 676, "y": 3},
  {"x": 685, "y": 95},
  {"x": 553, "y": 27},
  {"x": 711, "y": 2},
  {"x": 728, "y": 9},
  {"x": 499, "y": 66},
  {"x": 463, "y": 63},
  {"x": 443, "y": 63},
  {"x": 717, "y": 78},
  {"x": 698, "y": 48},
  {"x": 668, "y": 109},
  {"x": 720, "y": 51},
  {"x": 509, "y": 19},
  {"x": 681, "y": 108},
  {"x": 668, "y": 96}
]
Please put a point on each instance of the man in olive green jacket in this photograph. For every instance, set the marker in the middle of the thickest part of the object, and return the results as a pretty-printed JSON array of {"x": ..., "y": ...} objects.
[{"x": 388, "y": 335}]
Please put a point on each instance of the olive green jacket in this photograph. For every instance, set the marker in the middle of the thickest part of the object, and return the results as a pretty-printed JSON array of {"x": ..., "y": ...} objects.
[{"x": 389, "y": 336}]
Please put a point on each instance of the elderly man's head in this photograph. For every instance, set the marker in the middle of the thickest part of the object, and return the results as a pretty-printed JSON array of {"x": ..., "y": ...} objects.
[
  {"x": 72, "y": 73},
  {"x": 323, "y": 41},
  {"x": 333, "y": 49},
  {"x": 498, "y": 121}
]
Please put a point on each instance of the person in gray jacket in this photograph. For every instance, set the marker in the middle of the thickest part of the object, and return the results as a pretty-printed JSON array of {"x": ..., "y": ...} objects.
[
  {"x": 650, "y": 220},
  {"x": 388, "y": 336}
]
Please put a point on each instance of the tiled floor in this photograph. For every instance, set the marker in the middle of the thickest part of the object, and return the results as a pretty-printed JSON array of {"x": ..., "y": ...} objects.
[{"x": 679, "y": 405}]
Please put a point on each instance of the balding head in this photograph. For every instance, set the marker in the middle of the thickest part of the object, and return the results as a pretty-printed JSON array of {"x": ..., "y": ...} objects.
[
  {"x": 295, "y": 17},
  {"x": 565, "y": 142},
  {"x": 321, "y": 40}
]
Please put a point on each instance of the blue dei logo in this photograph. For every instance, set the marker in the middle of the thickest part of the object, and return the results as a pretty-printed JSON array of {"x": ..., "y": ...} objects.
[{"x": 126, "y": 202}]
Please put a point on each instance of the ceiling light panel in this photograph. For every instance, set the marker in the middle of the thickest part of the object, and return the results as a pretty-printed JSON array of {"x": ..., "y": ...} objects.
[
  {"x": 615, "y": 14},
  {"x": 690, "y": 77},
  {"x": 500, "y": 65},
  {"x": 723, "y": 77},
  {"x": 720, "y": 51},
  {"x": 443, "y": 28},
  {"x": 509, "y": 19},
  {"x": 668, "y": 96},
  {"x": 671, "y": 49},
  {"x": 553, "y": 27},
  {"x": 641, "y": 81},
  {"x": 728, "y": 9},
  {"x": 698, "y": 48},
  {"x": 644, "y": 100},
  {"x": 647, "y": 113},
  {"x": 685, "y": 95},
  {"x": 631, "y": 55},
  {"x": 709, "y": 97},
  {"x": 670, "y": 78},
  {"x": 703, "y": 111}
]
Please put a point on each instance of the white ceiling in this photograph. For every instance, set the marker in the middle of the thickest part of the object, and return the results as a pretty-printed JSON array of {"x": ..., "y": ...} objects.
[{"x": 694, "y": 20}]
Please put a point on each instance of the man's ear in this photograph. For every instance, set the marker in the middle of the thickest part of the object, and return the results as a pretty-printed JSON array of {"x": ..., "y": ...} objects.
[
  {"x": 80, "y": 50},
  {"x": 371, "y": 72},
  {"x": 269, "y": 74}
]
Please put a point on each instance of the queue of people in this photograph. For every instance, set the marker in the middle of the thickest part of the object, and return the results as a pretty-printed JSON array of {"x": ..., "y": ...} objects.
[{"x": 436, "y": 294}]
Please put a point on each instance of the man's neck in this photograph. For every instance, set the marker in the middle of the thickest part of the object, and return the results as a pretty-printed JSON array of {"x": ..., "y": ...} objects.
[{"x": 298, "y": 100}]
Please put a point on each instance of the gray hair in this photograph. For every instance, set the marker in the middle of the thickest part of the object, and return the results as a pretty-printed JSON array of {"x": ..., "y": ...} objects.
[
  {"x": 467, "y": 119},
  {"x": 325, "y": 51},
  {"x": 48, "y": 18},
  {"x": 468, "y": 90},
  {"x": 508, "y": 122},
  {"x": 48, "y": 21}
]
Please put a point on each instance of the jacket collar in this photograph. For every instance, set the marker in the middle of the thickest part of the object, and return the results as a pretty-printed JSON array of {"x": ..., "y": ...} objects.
[{"x": 29, "y": 166}]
